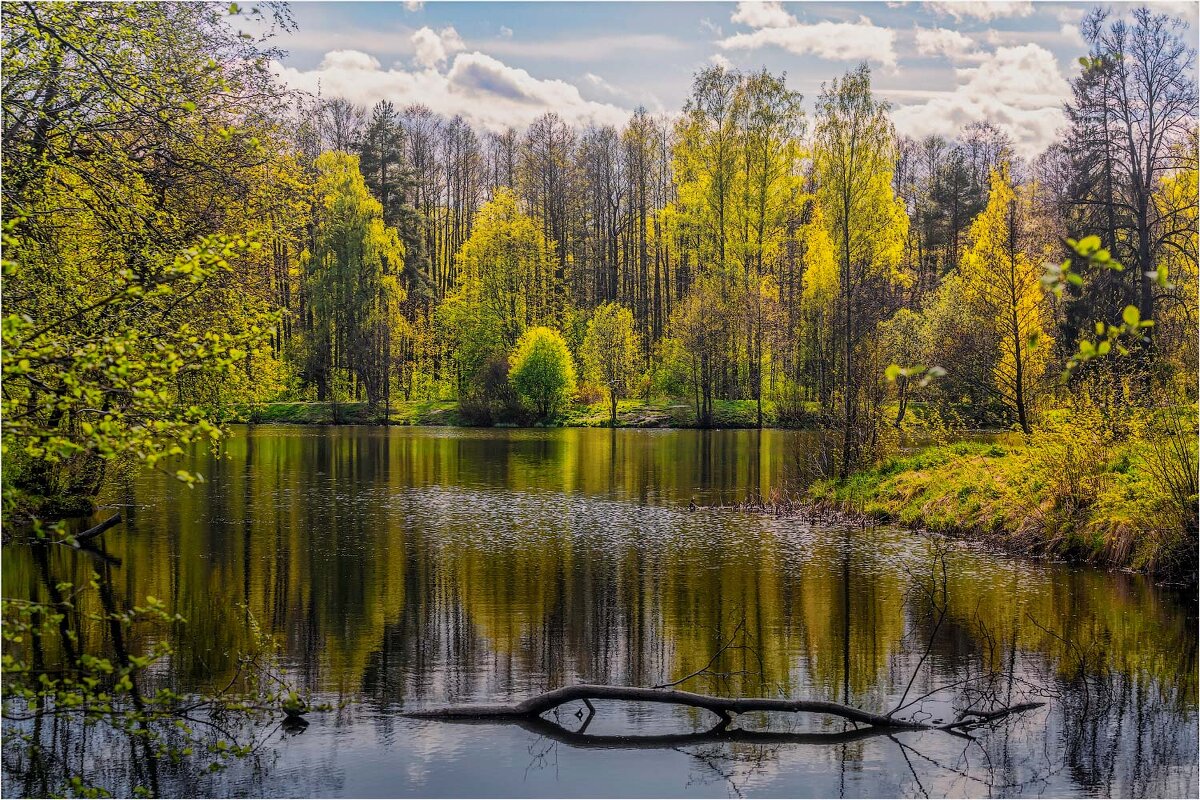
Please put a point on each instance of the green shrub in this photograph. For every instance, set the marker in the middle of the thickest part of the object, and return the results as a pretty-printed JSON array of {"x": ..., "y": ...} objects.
[{"x": 542, "y": 372}]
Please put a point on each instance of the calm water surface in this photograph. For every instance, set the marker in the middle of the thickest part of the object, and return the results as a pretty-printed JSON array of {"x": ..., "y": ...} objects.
[{"x": 406, "y": 568}]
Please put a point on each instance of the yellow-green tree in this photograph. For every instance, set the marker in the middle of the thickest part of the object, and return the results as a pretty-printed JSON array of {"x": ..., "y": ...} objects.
[
  {"x": 542, "y": 371},
  {"x": 1004, "y": 284},
  {"x": 853, "y": 161},
  {"x": 610, "y": 351},
  {"x": 351, "y": 282},
  {"x": 769, "y": 123},
  {"x": 903, "y": 339},
  {"x": 819, "y": 292},
  {"x": 506, "y": 283},
  {"x": 704, "y": 162},
  {"x": 701, "y": 312},
  {"x": 1177, "y": 308},
  {"x": 144, "y": 168}
]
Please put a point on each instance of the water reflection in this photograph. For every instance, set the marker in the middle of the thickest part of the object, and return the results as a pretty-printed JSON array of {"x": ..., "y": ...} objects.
[{"x": 405, "y": 568}]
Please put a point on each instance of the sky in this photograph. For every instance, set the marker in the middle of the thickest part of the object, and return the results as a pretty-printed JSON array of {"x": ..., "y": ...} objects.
[{"x": 941, "y": 65}]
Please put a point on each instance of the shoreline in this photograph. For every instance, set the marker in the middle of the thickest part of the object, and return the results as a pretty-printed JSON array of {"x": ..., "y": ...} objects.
[
  {"x": 661, "y": 414},
  {"x": 631, "y": 414},
  {"x": 990, "y": 494}
]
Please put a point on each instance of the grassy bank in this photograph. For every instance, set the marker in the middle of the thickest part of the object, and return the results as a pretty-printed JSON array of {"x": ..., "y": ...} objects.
[
  {"x": 1119, "y": 507},
  {"x": 630, "y": 414},
  {"x": 415, "y": 412}
]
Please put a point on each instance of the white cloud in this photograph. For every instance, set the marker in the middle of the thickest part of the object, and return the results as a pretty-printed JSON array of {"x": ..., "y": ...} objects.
[
  {"x": 1020, "y": 89},
  {"x": 1071, "y": 34},
  {"x": 944, "y": 42},
  {"x": 1184, "y": 9},
  {"x": 506, "y": 31},
  {"x": 766, "y": 14},
  {"x": 721, "y": 61},
  {"x": 432, "y": 48},
  {"x": 603, "y": 85},
  {"x": 981, "y": 9},
  {"x": 839, "y": 41},
  {"x": 414, "y": 5},
  {"x": 349, "y": 61},
  {"x": 486, "y": 92},
  {"x": 1071, "y": 13}
]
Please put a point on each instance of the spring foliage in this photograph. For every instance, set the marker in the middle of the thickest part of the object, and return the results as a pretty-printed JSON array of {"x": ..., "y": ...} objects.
[
  {"x": 610, "y": 351},
  {"x": 542, "y": 370}
]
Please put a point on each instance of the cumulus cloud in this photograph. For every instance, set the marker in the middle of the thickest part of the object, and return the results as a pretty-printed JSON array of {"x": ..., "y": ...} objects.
[
  {"x": 1073, "y": 35},
  {"x": 1020, "y": 89},
  {"x": 837, "y": 41},
  {"x": 414, "y": 5},
  {"x": 944, "y": 42},
  {"x": 488, "y": 93},
  {"x": 981, "y": 9},
  {"x": 767, "y": 14},
  {"x": 432, "y": 48}
]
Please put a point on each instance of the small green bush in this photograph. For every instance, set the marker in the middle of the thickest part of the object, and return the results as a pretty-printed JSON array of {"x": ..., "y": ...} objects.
[{"x": 542, "y": 371}]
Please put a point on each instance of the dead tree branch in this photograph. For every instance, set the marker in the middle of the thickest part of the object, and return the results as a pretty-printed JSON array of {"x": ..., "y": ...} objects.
[
  {"x": 723, "y": 707},
  {"x": 96, "y": 530}
]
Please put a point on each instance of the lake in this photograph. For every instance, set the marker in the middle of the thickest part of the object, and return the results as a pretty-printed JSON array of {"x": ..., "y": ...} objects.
[{"x": 403, "y": 568}]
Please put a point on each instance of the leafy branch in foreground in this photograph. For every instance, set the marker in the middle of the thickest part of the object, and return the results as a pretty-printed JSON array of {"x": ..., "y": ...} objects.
[
  {"x": 121, "y": 694},
  {"x": 104, "y": 381},
  {"x": 1109, "y": 336}
]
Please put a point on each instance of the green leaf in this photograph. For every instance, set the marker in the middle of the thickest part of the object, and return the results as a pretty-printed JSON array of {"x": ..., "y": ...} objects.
[{"x": 1131, "y": 316}]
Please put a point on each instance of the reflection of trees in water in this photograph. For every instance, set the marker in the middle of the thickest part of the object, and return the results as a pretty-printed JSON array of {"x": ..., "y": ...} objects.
[
  {"x": 101, "y": 719},
  {"x": 117, "y": 761},
  {"x": 417, "y": 569}
]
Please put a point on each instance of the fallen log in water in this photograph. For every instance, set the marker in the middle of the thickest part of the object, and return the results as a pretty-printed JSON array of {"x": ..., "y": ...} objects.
[
  {"x": 93, "y": 532},
  {"x": 723, "y": 707}
]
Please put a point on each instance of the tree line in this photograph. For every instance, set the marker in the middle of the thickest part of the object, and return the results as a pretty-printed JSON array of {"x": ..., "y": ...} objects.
[{"x": 183, "y": 233}]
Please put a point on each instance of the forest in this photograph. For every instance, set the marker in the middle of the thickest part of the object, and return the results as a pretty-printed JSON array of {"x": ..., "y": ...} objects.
[
  {"x": 186, "y": 237},
  {"x": 959, "y": 505}
]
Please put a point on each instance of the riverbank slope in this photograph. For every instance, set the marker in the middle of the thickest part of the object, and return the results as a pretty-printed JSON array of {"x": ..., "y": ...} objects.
[{"x": 1116, "y": 510}]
